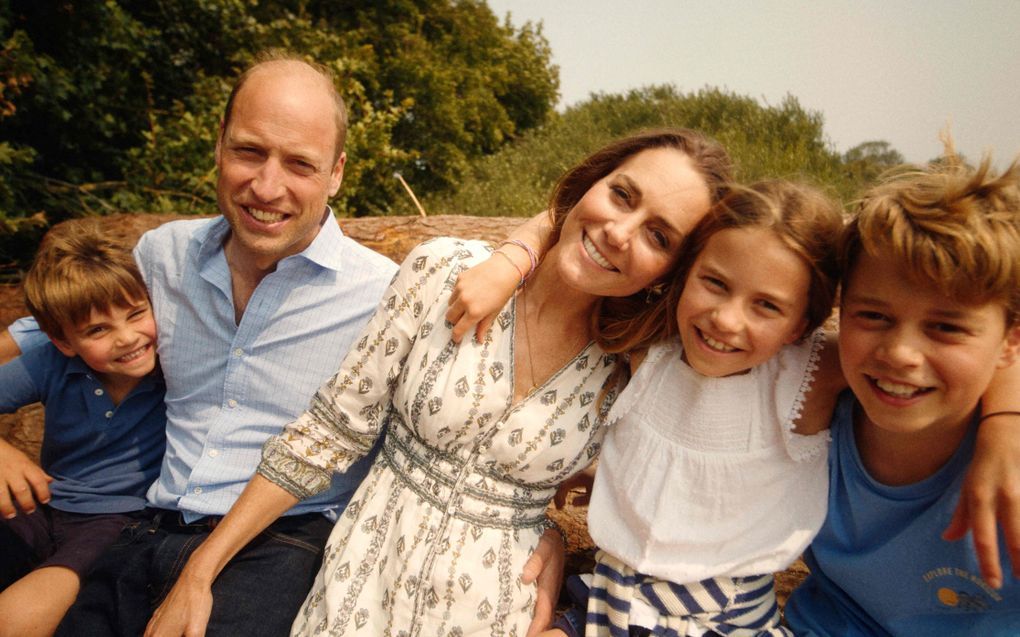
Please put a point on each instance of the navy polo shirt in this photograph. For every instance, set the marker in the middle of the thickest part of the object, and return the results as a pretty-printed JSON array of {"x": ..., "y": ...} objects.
[{"x": 102, "y": 457}]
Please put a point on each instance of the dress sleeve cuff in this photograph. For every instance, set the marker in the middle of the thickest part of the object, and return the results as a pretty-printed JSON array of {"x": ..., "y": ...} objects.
[{"x": 290, "y": 473}]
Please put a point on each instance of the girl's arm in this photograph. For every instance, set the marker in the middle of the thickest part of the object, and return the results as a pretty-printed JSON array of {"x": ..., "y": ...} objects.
[
  {"x": 821, "y": 398},
  {"x": 991, "y": 490},
  {"x": 483, "y": 290},
  {"x": 186, "y": 609}
]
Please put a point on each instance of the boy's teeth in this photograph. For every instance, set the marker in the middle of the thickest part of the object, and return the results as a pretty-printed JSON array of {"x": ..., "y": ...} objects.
[
  {"x": 595, "y": 255},
  {"x": 130, "y": 356},
  {"x": 264, "y": 216},
  {"x": 718, "y": 346},
  {"x": 897, "y": 389}
]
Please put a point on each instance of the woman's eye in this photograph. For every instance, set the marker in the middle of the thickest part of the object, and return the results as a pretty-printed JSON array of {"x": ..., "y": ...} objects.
[
  {"x": 713, "y": 282},
  {"x": 620, "y": 192},
  {"x": 660, "y": 239}
]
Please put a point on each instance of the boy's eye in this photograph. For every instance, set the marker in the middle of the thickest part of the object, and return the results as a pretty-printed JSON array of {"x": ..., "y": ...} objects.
[
  {"x": 948, "y": 328},
  {"x": 95, "y": 331}
]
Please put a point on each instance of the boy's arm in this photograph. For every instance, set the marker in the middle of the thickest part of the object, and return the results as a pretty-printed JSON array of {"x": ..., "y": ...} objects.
[
  {"x": 991, "y": 490},
  {"x": 482, "y": 291},
  {"x": 9, "y": 349},
  {"x": 22, "y": 482}
]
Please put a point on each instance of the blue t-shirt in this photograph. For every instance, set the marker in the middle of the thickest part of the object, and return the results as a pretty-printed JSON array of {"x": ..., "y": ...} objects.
[
  {"x": 879, "y": 565},
  {"x": 102, "y": 457}
]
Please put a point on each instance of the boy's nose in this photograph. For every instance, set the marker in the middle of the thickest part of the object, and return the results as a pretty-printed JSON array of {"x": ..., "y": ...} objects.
[
  {"x": 727, "y": 316},
  {"x": 900, "y": 350}
]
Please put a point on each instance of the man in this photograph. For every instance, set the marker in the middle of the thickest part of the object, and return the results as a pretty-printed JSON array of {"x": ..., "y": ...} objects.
[{"x": 254, "y": 310}]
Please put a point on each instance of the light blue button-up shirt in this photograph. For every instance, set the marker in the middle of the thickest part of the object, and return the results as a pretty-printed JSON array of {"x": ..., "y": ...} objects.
[{"x": 230, "y": 387}]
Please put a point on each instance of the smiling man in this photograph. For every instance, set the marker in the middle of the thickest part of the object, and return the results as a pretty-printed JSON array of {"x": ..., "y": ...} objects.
[{"x": 254, "y": 309}]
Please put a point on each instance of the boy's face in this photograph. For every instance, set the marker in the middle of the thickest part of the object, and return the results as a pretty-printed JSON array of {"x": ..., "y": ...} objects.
[
  {"x": 118, "y": 343},
  {"x": 916, "y": 359}
]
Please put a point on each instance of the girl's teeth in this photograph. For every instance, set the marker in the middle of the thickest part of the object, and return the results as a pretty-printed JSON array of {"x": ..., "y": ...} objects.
[
  {"x": 718, "y": 346},
  {"x": 595, "y": 255},
  {"x": 264, "y": 216},
  {"x": 897, "y": 389}
]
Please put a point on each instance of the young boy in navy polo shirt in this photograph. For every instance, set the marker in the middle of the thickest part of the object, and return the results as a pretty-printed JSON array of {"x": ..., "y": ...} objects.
[
  {"x": 105, "y": 423},
  {"x": 930, "y": 310}
]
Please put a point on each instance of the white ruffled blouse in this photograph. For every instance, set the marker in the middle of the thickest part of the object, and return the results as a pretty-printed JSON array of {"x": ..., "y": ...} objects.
[{"x": 704, "y": 477}]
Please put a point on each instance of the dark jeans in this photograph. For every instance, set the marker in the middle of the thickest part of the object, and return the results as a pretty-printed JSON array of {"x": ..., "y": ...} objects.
[{"x": 258, "y": 593}]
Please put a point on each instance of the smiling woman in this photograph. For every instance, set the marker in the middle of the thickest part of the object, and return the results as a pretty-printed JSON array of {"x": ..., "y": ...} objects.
[{"x": 476, "y": 437}]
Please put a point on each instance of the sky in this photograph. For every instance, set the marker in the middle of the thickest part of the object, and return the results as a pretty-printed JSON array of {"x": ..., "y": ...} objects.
[{"x": 895, "y": 70}]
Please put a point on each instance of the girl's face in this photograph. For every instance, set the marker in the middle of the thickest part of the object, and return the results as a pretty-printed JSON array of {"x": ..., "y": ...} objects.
[
  {"x": 626, "y": 231},
  {"x": 745, "y": 298}
]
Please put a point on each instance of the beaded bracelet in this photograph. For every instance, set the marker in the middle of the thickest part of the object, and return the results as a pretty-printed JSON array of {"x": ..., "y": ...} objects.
[
  {"x": 532, "y": 256},
  {"x": 511, "y": 262}
]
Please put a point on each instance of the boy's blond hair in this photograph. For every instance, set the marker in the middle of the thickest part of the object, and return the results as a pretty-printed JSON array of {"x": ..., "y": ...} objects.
[
  {"x": 950, "y": 225},
  {"x": 79, "y": 268}
]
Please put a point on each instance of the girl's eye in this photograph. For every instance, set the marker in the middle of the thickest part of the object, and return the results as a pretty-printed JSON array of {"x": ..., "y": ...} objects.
[
  {"x": 769, "y": 306},
  {"x": 713, "y": 282},
  {"x": 870, "y": 316}
]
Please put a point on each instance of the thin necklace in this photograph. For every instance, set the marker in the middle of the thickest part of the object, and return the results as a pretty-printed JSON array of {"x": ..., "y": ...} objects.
[{"x": 527, "y": 336}]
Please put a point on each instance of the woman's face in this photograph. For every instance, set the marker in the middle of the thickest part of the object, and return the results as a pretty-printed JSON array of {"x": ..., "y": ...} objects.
[{"x": 626, "y": 231}]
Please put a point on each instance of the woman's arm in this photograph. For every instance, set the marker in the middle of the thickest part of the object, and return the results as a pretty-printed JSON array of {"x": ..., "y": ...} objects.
[
  {"x": 186, "y": 609},
  {"x": 483, "y": 290}
]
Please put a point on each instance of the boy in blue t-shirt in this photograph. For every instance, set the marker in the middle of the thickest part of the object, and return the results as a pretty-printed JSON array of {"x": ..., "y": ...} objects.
[
  {"x": 105, "y": 423},
  {"x": 929, "y": 313}
]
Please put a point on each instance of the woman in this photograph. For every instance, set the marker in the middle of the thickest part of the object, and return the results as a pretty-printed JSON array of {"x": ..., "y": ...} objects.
[{"x": 478, "y": 435}]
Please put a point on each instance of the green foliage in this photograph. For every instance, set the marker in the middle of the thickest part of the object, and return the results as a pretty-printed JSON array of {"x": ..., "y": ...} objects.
[
  {"x": 782, "y": 140},
  {"x": 113, "y": 105}
]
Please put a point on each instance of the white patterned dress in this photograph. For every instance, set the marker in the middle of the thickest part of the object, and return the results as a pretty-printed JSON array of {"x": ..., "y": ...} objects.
[{"x": 435, "y": 540}]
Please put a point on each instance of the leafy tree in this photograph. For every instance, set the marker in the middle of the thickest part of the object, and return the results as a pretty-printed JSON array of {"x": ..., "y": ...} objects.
[
  {"x": 783, "y": 140},
  {"x": 113, "y": 105},
  {"x": 864, "y": 162}
]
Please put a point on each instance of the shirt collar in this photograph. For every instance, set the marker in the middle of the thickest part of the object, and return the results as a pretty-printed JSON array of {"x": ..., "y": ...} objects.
[{"x": 325, "y": 250}]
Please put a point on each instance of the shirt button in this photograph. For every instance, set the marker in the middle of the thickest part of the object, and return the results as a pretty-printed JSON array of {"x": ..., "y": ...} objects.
[
  {"x": 198, "y": 491},
  {"x": 231, "y": 403},
  {"x": 109, "y": 414},
  {"x": 238, "y": 352},
  {"x": 213, "y": 453},
  {"x": 98, "y": 392}
]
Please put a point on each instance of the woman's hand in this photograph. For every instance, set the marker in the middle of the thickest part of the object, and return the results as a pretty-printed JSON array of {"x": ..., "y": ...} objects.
[
  {"x": 545, "y": 566},
  {"x": 22, "y": 482},
  {"x": 185, "y": 610}
]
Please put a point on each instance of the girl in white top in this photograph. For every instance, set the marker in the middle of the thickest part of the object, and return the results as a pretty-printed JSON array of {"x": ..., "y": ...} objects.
[{"x": 707, "y": 483}]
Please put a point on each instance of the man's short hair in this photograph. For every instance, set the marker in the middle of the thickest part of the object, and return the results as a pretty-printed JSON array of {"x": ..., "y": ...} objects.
[
  {"x": 281, "y": 55},
  {"x": 79, "y": 268},
  {"x": 950, "y": 225}
]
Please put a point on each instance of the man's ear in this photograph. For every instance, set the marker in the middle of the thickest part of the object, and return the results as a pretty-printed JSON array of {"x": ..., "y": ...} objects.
[
  {"x": 62, "y": 345},
  {"x": 336, "y": 176},
  {"x": 219, "y": 144},
  {"x": 1010, "y": 346}
]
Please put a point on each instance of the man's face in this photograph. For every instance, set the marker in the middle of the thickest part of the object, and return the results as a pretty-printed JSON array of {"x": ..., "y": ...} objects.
[{"x": 276, "y": 166}]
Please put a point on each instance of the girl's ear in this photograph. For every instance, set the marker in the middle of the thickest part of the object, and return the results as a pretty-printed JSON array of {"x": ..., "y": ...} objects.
[
  {"x": 1010, "y": 346},
  {"x": 797, "y": 332}
]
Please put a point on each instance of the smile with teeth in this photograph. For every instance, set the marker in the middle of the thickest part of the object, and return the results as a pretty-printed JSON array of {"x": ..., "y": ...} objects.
[
  {"x": 718, "y": 346},
  {"x": 264, "y": 216},
  {"x": 595, "y": 255},
  {"x": 899, "y": 390},
  {"x": 135, "y": 355}
]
